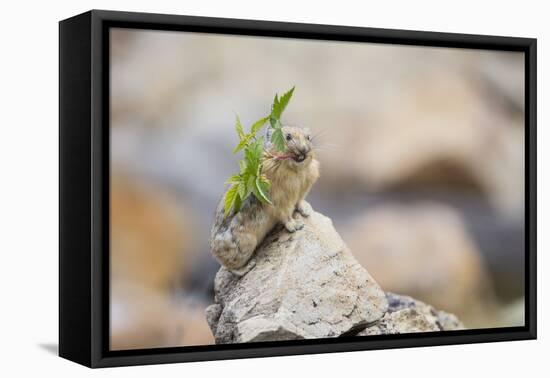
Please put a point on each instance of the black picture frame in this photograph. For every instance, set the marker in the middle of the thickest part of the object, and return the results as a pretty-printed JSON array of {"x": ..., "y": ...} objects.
[{"x": 84, "y": 187}]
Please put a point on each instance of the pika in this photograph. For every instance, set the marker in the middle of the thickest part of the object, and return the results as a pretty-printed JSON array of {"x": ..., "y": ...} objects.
[{"x": 292, "y": 173}]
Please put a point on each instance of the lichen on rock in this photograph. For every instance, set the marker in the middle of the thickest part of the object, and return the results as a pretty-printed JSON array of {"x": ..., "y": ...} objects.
[{"x": 408, "y": 315}]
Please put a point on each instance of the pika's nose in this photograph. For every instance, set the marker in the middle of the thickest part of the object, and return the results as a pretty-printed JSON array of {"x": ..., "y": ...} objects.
[{"x": 304, "y": 150}]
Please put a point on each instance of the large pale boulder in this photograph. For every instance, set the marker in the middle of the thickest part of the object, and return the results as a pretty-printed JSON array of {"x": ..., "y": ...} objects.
[{"x": 304, "y": 285}]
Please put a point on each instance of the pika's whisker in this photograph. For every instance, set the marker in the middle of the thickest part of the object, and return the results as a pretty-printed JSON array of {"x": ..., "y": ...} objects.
[
  {"x": 318, "y": 134},
  {"x": 327, "y": 146}
]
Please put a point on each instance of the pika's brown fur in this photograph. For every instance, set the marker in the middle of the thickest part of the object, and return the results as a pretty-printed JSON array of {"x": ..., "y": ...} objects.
[{"x": 292, "y": 173}]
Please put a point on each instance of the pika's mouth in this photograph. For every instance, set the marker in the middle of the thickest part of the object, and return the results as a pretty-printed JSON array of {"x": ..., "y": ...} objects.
[{"x": 299, "y": 158}]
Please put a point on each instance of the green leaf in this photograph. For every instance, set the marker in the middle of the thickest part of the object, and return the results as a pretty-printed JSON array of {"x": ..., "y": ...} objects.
[
  {"x": 261, "y": 191},
  {"x": 242, "y": 144},
  {"x": 239, "y": 128},
  {"x": 275, "y": 123},
  {"x": 229, "y": 199},
  {"x": 249, "y": 159},
  {"x": 242, "y": 166},
  {"x": 250, "y": 184},
  {"x": 238, "y": 203},
  {"x": 258, "y": 125},
  {"x": 243, "y": 193},
  {"x": 245, "y": 176},
  {"x": 253, "y": 156},
  {"x": 265, "y": 181},
  {"x": 275, "y": 107},
  {"x": 279, "y": 104},
  {"x": 259, "y": 148},
  {"x": 278, "y": 139},
  {"x": 235, "y": 179},
  {"x": 283, "y": 102},
  {"x": 258, "y": 153}
]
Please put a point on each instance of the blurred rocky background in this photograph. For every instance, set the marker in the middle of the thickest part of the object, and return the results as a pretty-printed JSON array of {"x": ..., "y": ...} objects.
[{"x": 422, "y": 157}]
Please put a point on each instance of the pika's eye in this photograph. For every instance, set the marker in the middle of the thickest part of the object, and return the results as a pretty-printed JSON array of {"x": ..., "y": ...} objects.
[
  {"x": 309, "y": 137},
  {"x": 288, "y": 137}
]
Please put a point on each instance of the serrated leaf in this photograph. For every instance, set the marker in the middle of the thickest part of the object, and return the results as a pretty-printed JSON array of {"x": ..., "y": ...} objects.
[
  {"x": 259, "y": 154},
  {"x": 283, "y": 102},
  {"x": 258, "y": 125},
  {"x": 242, "y": 144},
  {"x": 229, "y": 199},
  {"x": 275, "y": 107},
  {"x": 253, "y": 156},
  {"x": 239, "y": 128},
  {"x": 275, "y": 123},
  {"x": 242, "y": 166},
  {"x": 243, "y": 193},
  {"x": 261, "y": 191},
  {"x": 245, "y": 178},
  {"x": 250, "y": 160},
  {"x": 259, "y": 148},
  {"x": 235, "y": 179},
  {"x": 265, "y": 181},
  {"x": 278, "y": 139},
  {"x": 238, "y": 203},
  {"x": 250, "y": 184}
]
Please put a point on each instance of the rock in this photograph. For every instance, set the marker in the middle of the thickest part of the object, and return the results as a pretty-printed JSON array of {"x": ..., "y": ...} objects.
[
  {"x": 304, "y": 285},
  {"x": 425, "y": 251},
  {"x": 408, "y": 315}
]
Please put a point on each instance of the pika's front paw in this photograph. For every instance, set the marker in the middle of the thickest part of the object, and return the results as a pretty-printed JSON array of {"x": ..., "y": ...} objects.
[
  {"x": 245, "y": 269},
  {"x": 293, "y": 225},
  {"x": 304, "y": 209}
]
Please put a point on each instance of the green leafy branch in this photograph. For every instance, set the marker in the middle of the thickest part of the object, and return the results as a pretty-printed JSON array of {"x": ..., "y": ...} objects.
[
  {"x": 250, "y": 179},
  {"x": 278, "y": 107}
]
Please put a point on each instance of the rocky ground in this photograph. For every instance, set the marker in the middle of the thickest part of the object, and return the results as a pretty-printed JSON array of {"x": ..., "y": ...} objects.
[{"x": 308, "y": 285}]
